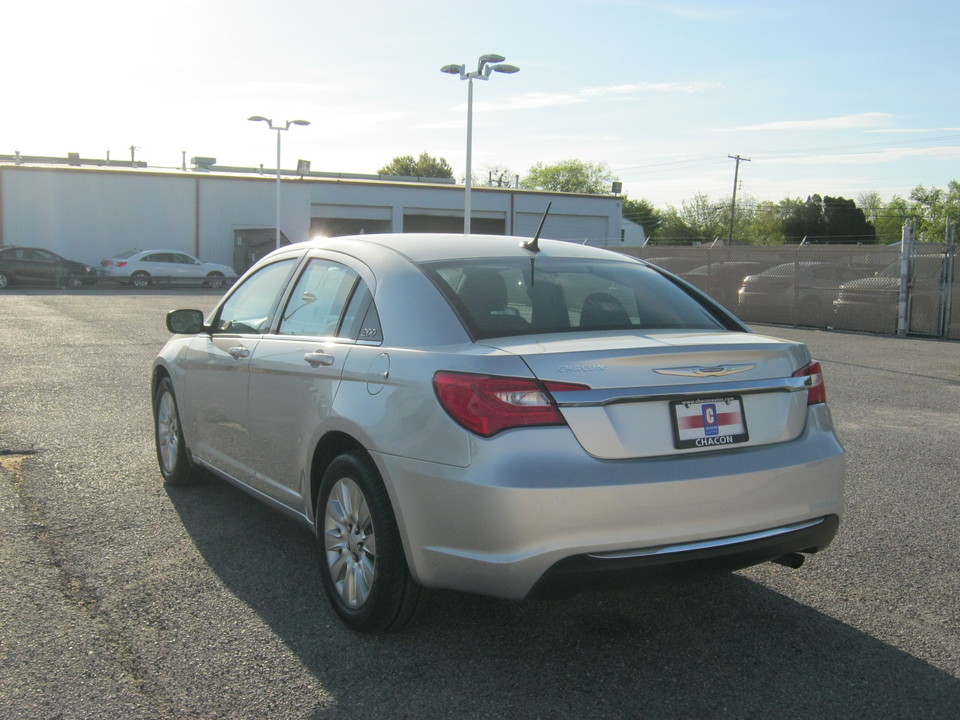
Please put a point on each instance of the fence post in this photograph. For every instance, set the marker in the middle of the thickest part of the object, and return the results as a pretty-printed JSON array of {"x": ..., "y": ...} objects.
[
  {"x": 796, "y": 285},
  {"x": 948, "y": 278},
  {"x": 906, "y": 255}
]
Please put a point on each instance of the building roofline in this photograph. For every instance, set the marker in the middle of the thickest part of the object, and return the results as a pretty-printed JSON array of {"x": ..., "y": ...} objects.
[{"x": 98, "y": 165}]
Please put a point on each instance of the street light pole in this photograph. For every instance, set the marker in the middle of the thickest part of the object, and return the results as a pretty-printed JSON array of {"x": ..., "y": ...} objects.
[
  {"x": 486, "y": 64},
  {"x": 279, "y": 129}
]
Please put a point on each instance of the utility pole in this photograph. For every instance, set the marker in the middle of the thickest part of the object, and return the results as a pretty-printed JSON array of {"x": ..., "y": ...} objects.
[{"x": 733, "y": 201}]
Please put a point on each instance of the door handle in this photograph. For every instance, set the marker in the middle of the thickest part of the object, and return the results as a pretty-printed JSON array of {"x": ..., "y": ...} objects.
[
  {"x": 239, "y": 352},
  {"x": 316, "y": 359}
]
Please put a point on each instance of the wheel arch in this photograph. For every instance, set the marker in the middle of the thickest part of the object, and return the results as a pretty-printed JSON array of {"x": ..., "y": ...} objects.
[
  {"x": 159, "y": 373},
  {"x": 330, "y": 446}
]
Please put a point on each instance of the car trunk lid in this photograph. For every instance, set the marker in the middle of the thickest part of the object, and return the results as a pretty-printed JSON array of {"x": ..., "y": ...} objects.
[{"x": 671, "y": 392}]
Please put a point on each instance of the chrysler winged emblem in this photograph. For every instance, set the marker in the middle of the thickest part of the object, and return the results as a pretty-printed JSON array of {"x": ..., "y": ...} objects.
[{"x": 705, "y": 371}]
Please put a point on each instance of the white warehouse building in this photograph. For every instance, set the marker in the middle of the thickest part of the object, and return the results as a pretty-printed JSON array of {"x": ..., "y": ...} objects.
[{"x": 87, "y": 211}]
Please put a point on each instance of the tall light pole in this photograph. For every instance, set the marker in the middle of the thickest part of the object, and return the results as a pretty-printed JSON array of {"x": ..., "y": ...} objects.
[
  {"x": 279, "y": 129},
  {"x": 486, "y": 65}
]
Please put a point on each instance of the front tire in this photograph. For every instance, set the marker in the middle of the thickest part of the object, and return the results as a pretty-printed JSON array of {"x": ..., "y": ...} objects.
[
  {"x": 172, "y": 455},
  {"x": 4, "y": 281},
  {"x": 215, "y": 280},
  {"x": 362, "y": 565}
]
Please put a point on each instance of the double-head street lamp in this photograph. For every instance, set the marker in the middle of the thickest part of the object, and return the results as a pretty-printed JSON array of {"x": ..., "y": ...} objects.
[
  {"x": 486, "y": 65},
  {"x": 279, "y": 129}
]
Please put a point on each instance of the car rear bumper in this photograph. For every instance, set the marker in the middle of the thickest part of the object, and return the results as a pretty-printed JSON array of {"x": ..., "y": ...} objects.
[
  {"x": 624, "y": 568},
  {"x": 532, "y": 505}
]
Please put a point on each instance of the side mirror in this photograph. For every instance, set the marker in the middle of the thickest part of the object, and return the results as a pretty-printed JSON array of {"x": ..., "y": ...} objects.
[{"x": 185, "y": 322}]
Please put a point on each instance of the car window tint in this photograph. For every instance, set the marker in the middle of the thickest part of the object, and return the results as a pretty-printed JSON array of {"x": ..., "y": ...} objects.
[
  {"x": 497, "y": 297},
  {"x": 318, "y": 300},
  {"x": 250, "y": 306}
]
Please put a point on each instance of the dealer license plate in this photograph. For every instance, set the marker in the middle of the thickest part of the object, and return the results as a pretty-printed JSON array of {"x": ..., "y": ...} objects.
[{"x": 709, "y": 422}]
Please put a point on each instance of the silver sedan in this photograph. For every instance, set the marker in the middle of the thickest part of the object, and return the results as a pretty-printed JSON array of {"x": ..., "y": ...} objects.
[{"x": 496, "y": 416}]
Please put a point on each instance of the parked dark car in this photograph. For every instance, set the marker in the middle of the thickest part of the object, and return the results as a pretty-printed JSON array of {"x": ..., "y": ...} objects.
[
  {"x": 722, "y": 280},
  {"x": 794, "y": 292},
  {"x": 36, "y": 266},
  {"x": 676, "y": 265},
  {"x": 872, "y": 303}
]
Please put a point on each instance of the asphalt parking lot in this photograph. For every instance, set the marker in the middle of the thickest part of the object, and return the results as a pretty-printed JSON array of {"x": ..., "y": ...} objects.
[{"x": 120, "y": 598}]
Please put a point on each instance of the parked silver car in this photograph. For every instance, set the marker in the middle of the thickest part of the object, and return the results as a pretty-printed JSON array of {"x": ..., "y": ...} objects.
[
  {"x": 142, "y": 268},
  {"x": 485, "y": 415}
]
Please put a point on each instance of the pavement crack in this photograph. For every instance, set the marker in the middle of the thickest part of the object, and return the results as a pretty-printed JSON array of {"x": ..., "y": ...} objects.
[{"x": 76, "y": 590}]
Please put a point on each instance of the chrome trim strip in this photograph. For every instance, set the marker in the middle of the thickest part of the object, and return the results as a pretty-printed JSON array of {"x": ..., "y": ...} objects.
[
  {"x": 705, "y": 544},
  {"x": 700, "y": 371},
  {"x": 609, "y": 396}
]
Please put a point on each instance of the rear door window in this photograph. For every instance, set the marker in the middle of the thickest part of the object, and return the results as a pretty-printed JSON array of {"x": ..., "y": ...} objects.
[{"x": 316, "y": 305}]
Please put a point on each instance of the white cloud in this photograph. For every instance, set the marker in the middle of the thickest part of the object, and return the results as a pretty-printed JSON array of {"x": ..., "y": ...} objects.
[
  {"x": 871, "y": 157},
  {"x": 915, "y": 130},
  {"x": 868, "y": 120},
  {"x": 542, "y": 100}
]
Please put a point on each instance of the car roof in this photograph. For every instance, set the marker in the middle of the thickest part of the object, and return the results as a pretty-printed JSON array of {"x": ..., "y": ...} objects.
[
  {"x": 431, "y": 247},
  {"x": 163, "y": 250}
]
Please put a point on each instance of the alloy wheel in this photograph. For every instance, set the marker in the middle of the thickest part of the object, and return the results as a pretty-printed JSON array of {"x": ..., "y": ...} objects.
[
  {"x": 168, "y": 432},
  {"x": 350, "y": 543}
]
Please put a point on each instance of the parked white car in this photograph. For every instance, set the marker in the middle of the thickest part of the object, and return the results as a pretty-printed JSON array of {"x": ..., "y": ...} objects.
[
  {"x": 142, "y": 268},
  {"x": 489, "y": 415}
]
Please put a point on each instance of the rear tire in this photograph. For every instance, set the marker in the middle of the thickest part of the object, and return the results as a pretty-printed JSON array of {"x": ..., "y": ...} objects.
[
  {"x": 362, "y": 565},
  {"x": 172, "y": 455},
  {"x": 140, "y": 279},
  {"x": 4, "y": 281}
]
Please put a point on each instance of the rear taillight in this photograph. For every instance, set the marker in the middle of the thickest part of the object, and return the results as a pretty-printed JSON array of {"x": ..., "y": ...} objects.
[
  {"x": 816, "y": 389},
  {"x": 488, "y": 404},
  {"x": 120, "y": 264}
]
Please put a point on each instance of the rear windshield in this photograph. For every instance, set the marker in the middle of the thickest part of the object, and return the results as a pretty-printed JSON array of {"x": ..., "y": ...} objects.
[{"x": 519, "y": 296}]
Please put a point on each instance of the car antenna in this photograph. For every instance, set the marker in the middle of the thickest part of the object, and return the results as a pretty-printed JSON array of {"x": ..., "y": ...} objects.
[{"x": 534, "y": 244}]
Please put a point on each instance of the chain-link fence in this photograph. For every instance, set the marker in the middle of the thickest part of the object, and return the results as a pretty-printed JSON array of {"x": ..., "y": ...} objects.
[{"x": 851, "y": 287}]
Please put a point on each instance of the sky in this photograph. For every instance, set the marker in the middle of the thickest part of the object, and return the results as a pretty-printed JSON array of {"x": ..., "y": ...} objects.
[{"x": 837, "y": 97}]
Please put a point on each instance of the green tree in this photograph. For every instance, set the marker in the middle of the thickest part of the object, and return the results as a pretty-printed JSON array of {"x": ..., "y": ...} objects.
[
  {"x": 424, "y": 166},
  {"x": 887, "y": 217},
  {"x": 934, "y": 208},
  {"x": 828, "y": 219},
  {"x": 764, "y": 224},
  {"x": 643, "y": 213},
  {"x": 696, "y": 221},
  {"x": 573, "y": 176}
]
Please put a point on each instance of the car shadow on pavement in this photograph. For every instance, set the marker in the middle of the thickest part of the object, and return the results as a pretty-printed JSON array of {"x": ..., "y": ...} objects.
[{"x": 716, "y": 646}]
